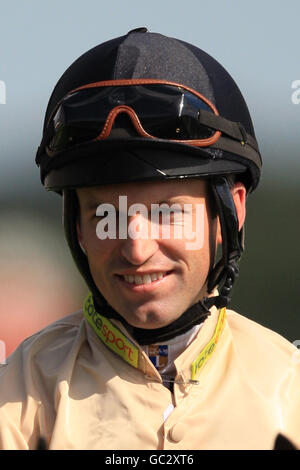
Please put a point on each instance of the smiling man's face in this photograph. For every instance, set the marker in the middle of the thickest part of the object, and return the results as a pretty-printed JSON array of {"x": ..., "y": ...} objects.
[{"x": 149, "y": 281}]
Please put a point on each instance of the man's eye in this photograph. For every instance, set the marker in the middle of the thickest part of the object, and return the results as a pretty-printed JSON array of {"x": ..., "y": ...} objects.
[{"x": 172, "y": 217}]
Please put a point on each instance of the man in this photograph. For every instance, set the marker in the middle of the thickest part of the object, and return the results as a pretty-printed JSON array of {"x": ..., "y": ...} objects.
[{"x": 151, "y": 144}]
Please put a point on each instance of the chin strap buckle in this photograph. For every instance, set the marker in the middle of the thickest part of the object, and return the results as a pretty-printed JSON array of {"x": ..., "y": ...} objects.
[{"x": 231, "y": 273}]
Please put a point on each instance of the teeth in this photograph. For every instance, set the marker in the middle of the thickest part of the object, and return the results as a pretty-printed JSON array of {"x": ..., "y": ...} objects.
[
  {"x": 144, "y": 279},
  {"x": 147, "y": 279},
  {"x": 138, "y": 279}
]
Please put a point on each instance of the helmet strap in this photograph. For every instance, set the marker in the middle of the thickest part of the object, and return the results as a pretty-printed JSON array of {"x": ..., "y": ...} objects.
[{"x": 226, "y": 270}]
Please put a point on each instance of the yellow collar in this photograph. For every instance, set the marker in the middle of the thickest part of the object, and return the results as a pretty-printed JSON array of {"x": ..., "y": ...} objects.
[{"x": 116, "y": 341}]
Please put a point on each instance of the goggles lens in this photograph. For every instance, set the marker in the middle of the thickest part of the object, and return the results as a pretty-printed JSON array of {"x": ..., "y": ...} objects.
[{"x": 163, "y": 111}]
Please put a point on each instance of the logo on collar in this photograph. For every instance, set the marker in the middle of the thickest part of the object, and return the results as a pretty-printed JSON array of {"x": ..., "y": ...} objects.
[
  {"x": 210, "y": 347},
  {"x": 109, "y": 334},
  {"x": 158, "y": 355}
]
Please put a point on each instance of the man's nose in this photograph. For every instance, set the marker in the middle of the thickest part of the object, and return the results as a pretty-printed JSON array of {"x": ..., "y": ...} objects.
[{"x": 138, "y": 247}]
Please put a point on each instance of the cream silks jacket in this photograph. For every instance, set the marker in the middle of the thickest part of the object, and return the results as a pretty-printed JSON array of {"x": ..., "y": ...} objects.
[{"x": 84, "y": 383}]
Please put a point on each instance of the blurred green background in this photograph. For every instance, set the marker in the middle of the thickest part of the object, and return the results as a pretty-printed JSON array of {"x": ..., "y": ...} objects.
[
  {"x": 267, "y": 290},
  {"x": 257, "y": 44}
]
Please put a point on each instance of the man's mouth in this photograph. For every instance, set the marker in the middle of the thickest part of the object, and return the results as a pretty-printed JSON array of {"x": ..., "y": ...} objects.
[{"x": 148, "y": 278}]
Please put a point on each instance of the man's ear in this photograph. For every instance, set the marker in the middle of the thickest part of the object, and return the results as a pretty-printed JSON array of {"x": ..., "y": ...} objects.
[{"x": 239, "y": 193}]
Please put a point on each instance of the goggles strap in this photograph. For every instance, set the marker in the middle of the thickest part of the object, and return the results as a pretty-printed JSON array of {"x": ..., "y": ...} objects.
[{"x": 233, "y": 129}]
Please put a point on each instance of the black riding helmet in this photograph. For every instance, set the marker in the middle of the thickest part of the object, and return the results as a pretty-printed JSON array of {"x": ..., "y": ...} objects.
[{"x": 148, "y": 107}]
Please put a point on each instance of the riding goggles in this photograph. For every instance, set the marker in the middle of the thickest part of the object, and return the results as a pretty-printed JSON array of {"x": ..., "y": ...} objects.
[{"x": 157, "y": 110}]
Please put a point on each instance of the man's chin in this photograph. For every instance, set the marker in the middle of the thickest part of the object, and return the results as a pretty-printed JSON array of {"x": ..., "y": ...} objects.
[{"x": 149, "y": 318}]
